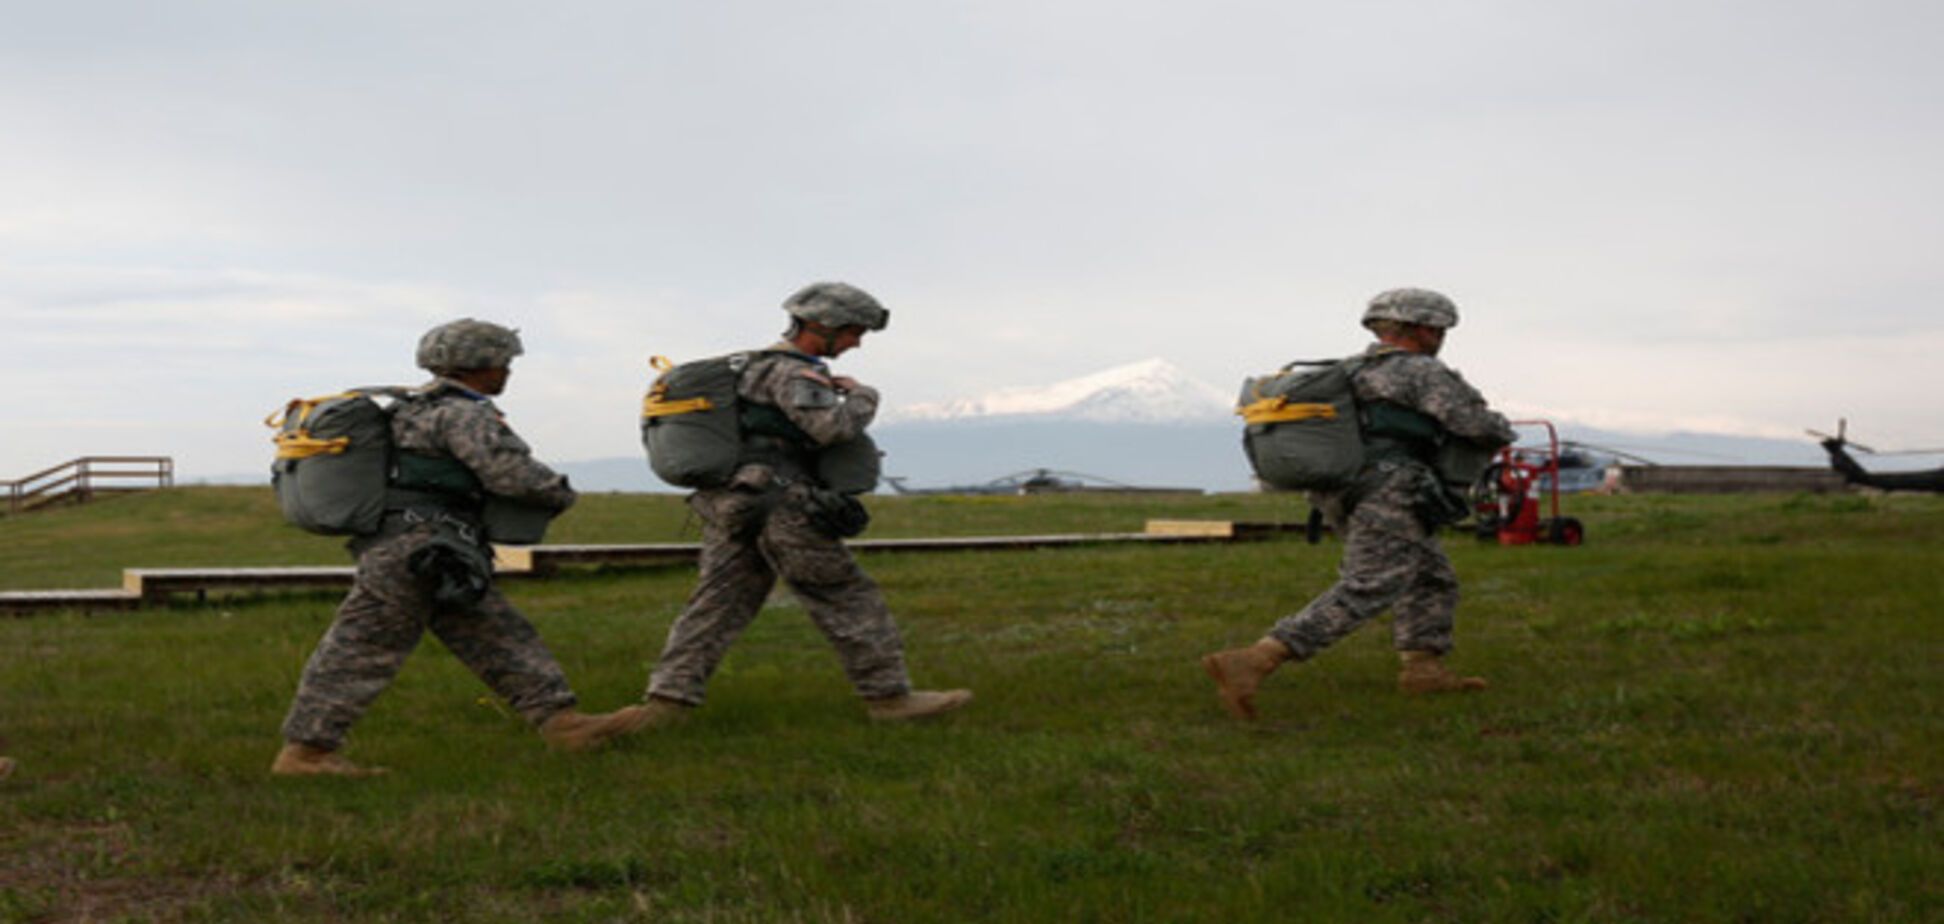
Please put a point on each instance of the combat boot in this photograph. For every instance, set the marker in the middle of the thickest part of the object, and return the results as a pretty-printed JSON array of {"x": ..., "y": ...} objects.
[
  {"x": 1424, "y": 673},
  {"x": 6, "y": 767},
  {"x": 304, "y": 760},
  {"x": 572, "y": 730},
  {"x": 916, "y": 705},
  {"x": 1237, "y": 673}
]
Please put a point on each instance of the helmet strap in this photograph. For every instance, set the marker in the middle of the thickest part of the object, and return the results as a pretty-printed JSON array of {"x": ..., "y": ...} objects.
[{"x": 800, "y": 330}]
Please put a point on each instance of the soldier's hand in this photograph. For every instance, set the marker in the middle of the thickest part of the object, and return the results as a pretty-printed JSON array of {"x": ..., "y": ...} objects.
[{"x": 844, "y": 383}]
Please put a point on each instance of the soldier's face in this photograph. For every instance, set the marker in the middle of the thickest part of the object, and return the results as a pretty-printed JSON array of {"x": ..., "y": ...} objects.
[
  {"x": 491, "y": 381},
  {"x": 842, "y": 340},
  {"x": 1427, "y": 340}
]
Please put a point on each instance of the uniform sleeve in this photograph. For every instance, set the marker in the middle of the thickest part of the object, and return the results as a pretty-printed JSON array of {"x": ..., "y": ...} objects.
[
  {"x": 476, "y": 435},
  {"x": 819, "y": 410},
  {"x": 1445, "y": 395}
]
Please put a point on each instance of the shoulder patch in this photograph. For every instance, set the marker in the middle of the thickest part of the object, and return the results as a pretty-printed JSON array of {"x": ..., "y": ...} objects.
[{"x": 804, "y": 392}]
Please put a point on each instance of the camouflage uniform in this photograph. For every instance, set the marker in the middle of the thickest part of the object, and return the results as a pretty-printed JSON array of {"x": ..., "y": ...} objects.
[
  {"x": 390, "y": 605},
  {"x": 759, "y": 527},
  {"x": 1391, "y": 559}
]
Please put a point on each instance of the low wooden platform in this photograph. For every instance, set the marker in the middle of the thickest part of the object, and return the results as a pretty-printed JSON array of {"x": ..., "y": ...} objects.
[
  {"x": 161, "y": 583},
  {"x": 158, "y": 585},
  {"x": 22, "y": 602}
]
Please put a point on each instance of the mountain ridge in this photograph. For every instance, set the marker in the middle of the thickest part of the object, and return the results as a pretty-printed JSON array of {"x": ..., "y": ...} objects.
[
  {"x": 1151, "y": 390},
  {"x": 1149, "y": 422}
]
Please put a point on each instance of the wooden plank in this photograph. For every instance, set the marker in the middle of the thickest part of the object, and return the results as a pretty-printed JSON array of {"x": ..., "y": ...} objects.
[
  {"x": 1217, "y": 528},
  {"x": 156, "y": 584},
  {"x": 513, "y": 559},
  {"x": 1247, "y": 531},
  {"x": 546, "y": 558},
  {"x": 22, "y": 602},
  {"x": 992, "y": 543}
]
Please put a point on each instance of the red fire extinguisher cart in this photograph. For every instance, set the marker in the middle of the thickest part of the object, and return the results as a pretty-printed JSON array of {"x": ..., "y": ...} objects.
[{"x": 1519, "y": 499}]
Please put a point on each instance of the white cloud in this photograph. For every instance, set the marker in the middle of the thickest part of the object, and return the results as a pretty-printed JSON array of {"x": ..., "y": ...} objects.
[{"x": 1659, "y": 212}]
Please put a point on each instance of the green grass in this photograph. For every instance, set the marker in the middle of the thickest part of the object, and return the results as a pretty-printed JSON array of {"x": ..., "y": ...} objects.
[{"x": 1720, "y": 709}]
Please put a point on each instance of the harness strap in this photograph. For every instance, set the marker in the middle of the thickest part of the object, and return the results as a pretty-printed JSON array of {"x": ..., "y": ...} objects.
[
  {"x": 658, "y": 404},
  {"x": 790, "y": 459},
  {"x": 299, "y": 444},
  {"x": 1282, "y": 410}
]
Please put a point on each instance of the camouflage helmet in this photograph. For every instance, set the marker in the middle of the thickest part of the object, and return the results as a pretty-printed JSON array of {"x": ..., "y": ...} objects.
[
  {"x": 1412, "y": 306},
  {"x": 468, "y": 344},
  {"x": 836, "y": 304}
]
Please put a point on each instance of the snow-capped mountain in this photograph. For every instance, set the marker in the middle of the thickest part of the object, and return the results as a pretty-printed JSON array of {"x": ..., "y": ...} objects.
[{"x": 1149, "y": 391}]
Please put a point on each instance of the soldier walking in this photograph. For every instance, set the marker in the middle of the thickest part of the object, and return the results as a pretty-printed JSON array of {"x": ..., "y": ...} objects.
[
  {"x": 429, "y": 566},
  {"x": 776, "y": 518},
  {"x": 1389, "y": 514}
]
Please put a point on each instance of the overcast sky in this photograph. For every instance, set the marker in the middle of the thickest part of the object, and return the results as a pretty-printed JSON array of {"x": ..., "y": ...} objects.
[{"x": 1723, "y": 215}]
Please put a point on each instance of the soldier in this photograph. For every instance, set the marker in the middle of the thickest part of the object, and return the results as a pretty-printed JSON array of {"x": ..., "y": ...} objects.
[
  {"x": 1388, "y": 517},
  {"x": 774, "y": 518},
  {"x": 429, "y": 566}
]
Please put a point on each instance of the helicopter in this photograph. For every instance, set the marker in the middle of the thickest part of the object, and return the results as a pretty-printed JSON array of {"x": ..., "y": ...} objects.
[
  {"x": 1838, "y": 447},
  {"x": 1036, "y": 481}
]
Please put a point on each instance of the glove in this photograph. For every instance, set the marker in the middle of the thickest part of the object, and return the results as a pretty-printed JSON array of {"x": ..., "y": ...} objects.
[
  {"x": 1438, "y": 505},
  {"x": 455, "y": 573},
  {"x": 839, "y": 516}
]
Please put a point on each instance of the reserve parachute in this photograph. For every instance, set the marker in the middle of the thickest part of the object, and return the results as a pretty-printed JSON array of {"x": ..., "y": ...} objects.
[
  {"x": 852, "y": 466},
  {"x": 692, "y": 426}
]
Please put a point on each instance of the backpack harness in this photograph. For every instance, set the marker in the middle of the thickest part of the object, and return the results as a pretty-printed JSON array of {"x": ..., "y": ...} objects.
[
  {"x": 1305, "y": 429},
  {"x": 337, "y": 471},
  {"x": 698, "y": 430}
]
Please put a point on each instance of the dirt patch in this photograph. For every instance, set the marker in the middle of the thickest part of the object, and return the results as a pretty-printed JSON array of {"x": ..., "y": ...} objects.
[{"x": 80, "y": 872}]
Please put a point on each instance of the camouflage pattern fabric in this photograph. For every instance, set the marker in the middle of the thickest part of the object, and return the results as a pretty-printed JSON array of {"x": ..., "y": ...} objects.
[
  {"x": 800, "y": 387},
  {"x": 468, "y": 344},
  {"x": 458, "y": 422},
  {"x": 390, "y": 608},
  {"x": 837, "y": 304},
  {"x": 1391, "y": 559},
  {"x": 1412, "y": 306},
  {"x": 1424, "y": 383},
  {"x": 758, "y": 529}
]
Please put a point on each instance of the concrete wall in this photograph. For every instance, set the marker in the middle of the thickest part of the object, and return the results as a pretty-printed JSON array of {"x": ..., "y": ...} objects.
[{"x": 1728, "y": 479}]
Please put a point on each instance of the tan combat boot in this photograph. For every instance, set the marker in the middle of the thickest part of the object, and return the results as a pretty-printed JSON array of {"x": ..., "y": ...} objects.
[
  {"x": 1237, "y": 673},
  {"x": 916, "y": 705},
  {"x": 6, "y": 767},
  {"x": 573, "y": 730},
  {"x": 1424, "y": 673},
  {"x": 304, "y": 760}
]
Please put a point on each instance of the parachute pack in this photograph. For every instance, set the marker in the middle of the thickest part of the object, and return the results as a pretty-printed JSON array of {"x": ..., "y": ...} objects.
[
  {"x": 689, "y": 421},
  {"x": 334, "y": 459},
  {"x": 336, "y": 472},
  {"x": 1305, "y": 430},
  {"x": 693, "y": 423},
  {"x": 1301, "y": 429}
]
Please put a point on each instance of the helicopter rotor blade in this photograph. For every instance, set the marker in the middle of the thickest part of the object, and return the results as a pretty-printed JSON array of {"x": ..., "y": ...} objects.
[{"x": 1842, "y": 436}]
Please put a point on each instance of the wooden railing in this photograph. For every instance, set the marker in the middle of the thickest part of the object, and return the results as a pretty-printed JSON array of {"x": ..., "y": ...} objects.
[{"x": 80, "y": 480}]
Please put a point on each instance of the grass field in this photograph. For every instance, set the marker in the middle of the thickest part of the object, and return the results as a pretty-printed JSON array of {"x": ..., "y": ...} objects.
[{"x": 1720, "y": 709}]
